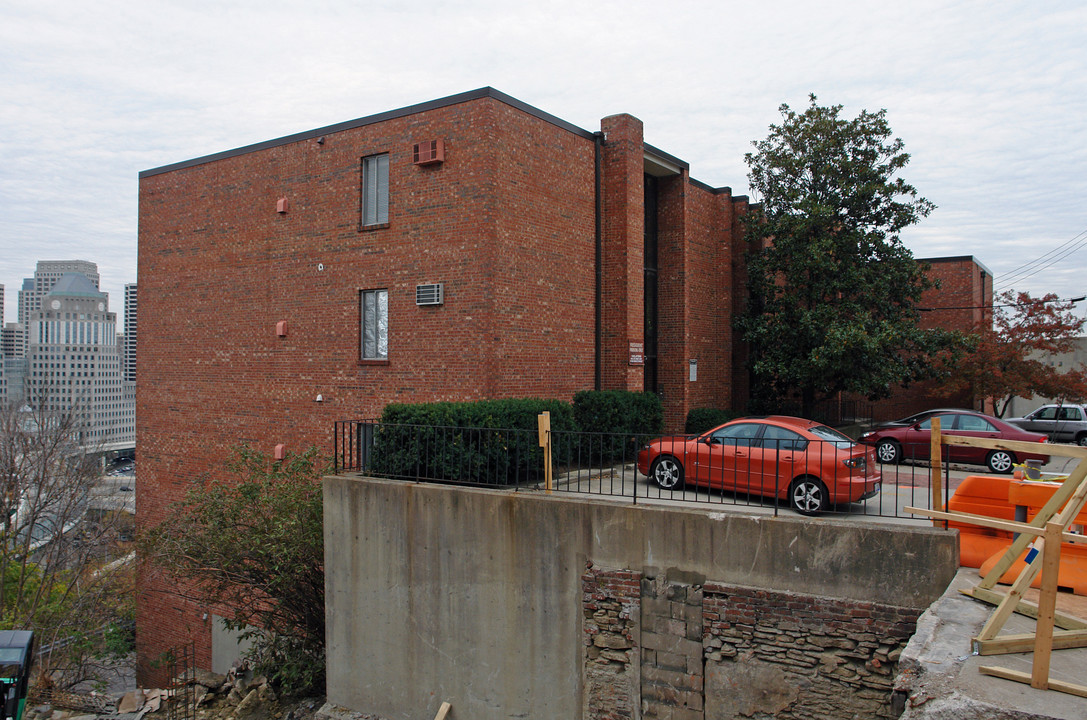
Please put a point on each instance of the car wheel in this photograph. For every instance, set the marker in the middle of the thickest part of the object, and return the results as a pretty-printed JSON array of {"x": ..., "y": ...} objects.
[
  {"x": 667, "y": 472},
  {"x": 1000, "y": 461},
  {"x": 808, "y": 496},
  {"x": 888, "y": 452},
  {"x": 1081, "y": 439}
]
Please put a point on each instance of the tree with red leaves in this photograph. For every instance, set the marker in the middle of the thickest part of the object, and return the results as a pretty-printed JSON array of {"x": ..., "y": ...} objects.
[{"x": 1009, "y": 359}]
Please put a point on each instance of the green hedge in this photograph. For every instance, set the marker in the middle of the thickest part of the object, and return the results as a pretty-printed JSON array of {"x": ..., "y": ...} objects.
[
  {"x": 614, "y": 424},
  {"x": 496, "y": 441},
  {"x": 489, "y": 441},
  {"x": 699, "y": 420},
  {"x": 619, "y": 411}
]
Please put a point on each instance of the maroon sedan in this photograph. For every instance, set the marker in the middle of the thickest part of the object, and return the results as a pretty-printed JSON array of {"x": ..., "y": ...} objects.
[{"x": 911, "y": 439}]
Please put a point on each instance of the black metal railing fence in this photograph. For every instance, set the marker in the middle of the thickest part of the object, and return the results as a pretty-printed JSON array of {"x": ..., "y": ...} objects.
[{"x": 765, "y": 475}]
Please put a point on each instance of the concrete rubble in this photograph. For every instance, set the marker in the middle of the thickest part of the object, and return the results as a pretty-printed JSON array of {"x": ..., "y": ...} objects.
[{"x": 235, "y": 696}]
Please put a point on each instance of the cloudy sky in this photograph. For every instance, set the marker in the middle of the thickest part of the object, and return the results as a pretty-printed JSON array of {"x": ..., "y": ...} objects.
[{"x": 990, "y": 98}]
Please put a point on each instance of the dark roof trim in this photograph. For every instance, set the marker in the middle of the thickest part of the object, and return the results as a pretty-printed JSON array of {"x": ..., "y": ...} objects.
[
  {"x": 672, "y": 159},
  {"x": 485, "y": 92},
  {"x": 723, "y": 190},
  {"x": 958, "y": 258}
]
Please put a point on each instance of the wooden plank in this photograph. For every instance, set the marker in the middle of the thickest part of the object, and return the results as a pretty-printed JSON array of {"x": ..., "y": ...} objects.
[
  {"x": 1005, "y": 673},
  {"x": 1058, "y": 500},
  {"x": 1024, "y": 642},
  {"x": 1027, "y": 608},
  {"x": 1047, "y": 605},
  {"x": 981, "y": 520},
  {"x": 1072, "y": 508},
  {"x": 442, "y": 711},
  {"x": 1015, "y": 594},
  {"x": 1057, "y": 449}
]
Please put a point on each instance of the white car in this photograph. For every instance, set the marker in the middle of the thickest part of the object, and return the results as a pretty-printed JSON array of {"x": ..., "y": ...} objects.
[{"x": 1062, "y": 423}]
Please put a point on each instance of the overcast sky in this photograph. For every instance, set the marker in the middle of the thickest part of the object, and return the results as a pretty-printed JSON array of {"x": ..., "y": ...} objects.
[{"x": 990, "y": 98}]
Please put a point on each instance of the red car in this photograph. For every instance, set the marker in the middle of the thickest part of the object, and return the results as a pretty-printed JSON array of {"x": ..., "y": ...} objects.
[
  {"x": 910, "y": 439},
  {"x": 811, "y": 466}
]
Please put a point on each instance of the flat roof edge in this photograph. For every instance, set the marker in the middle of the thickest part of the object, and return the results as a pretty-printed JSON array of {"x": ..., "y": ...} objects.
[
  {"x": 484, "y": 92},
  {"x": 957, "y": 258}
]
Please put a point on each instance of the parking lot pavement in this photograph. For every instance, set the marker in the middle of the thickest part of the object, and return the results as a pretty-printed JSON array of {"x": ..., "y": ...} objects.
[{"x": 905, "y": 485}]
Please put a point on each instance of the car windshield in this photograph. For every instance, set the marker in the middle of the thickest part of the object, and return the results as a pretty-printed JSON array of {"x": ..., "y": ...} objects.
[{"x": 831, "y": 435}]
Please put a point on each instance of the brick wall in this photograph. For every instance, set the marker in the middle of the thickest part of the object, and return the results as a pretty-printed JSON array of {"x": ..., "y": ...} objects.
[
  {"x": 506, "y": 223},
  {"x": 611, "y": 602},
  {"x": 701, "y": 292},
  {"x": 623, "y": 229},
  {"x": 962, "y": 301},
  {"x": 964, "y": 297},
  {"x": 797, "y": 656}
]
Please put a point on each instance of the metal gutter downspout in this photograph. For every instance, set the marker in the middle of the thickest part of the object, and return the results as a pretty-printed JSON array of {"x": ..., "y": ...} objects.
[{"x": 598, "y": 360}]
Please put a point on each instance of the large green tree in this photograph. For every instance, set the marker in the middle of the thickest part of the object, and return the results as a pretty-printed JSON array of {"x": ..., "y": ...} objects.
[{"x": 833, "y": 289}]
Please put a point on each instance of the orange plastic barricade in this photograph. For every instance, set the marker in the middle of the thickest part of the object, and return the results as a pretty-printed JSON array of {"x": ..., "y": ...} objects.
[
  {"x": 1009, "y": 499},
  {"x": 1027, "y": 498},
  {"x": 981, "y": 495}
]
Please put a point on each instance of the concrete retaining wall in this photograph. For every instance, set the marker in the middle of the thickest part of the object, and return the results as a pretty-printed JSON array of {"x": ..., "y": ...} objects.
[{"x": 479, "y": 598}]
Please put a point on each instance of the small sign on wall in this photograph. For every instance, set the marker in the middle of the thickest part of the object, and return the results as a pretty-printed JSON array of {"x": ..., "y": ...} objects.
[
  {"x": 693, "y": 364},
  {"x": 637, "y": 353}
]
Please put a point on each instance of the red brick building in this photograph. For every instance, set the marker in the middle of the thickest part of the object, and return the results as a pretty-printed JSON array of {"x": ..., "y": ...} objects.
[
  {"x": 962, "y": 300},
  {"x": 470, "y": 247},
  {"x": 465, "y": 248}
]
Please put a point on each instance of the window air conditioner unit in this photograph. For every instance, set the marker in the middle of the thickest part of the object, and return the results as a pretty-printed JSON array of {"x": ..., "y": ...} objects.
[
  {"x": 428, "y": 152},
  {"x": 429, "y": 294}
]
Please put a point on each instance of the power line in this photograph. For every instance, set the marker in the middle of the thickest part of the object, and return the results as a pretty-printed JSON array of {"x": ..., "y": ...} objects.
[
  {"x": 1036, "y": 260},
  {"x": 1001, "y": 305},
  {"x": 1033, "y": 267}
]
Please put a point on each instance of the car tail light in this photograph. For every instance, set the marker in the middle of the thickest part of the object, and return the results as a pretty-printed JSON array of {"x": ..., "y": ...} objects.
[{"x": 857, "y": 462}]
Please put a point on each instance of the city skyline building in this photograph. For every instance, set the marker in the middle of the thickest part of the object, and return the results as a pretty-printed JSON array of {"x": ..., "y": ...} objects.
[
  {"x": 46, "y": 275},
  {"x": 74, "y": 360}
]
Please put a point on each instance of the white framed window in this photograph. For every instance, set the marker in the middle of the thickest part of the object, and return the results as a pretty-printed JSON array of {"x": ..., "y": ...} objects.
[
  {"x": 374, "y": 324},
  {"x": 374, "y": 203}
]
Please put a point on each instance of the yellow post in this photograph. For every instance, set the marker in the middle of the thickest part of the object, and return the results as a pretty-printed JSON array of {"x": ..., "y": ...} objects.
[
  {"x": 544, "y": 422},
  {"x": 936, "y": 460}
]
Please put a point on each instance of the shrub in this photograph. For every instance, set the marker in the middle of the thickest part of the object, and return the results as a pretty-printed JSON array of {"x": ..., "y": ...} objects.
[
  {"x": 619, "y": 412},
  {"x": 492, "y": 442},
  {"x": 614, "y": 424},
  {"x": 255, "y": 544},
  {"x": 699, "y": 420}
]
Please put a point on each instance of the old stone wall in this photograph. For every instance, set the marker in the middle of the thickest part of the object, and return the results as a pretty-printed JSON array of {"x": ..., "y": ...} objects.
[
  {"x": 787, "y": 655},
  {"x": 659, "y": 647},
  {"x": 611, "y": 603}
]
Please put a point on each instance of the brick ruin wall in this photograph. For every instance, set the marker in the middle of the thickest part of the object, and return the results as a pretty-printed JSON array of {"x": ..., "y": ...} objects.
[{"x": 657, "y": 648}]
